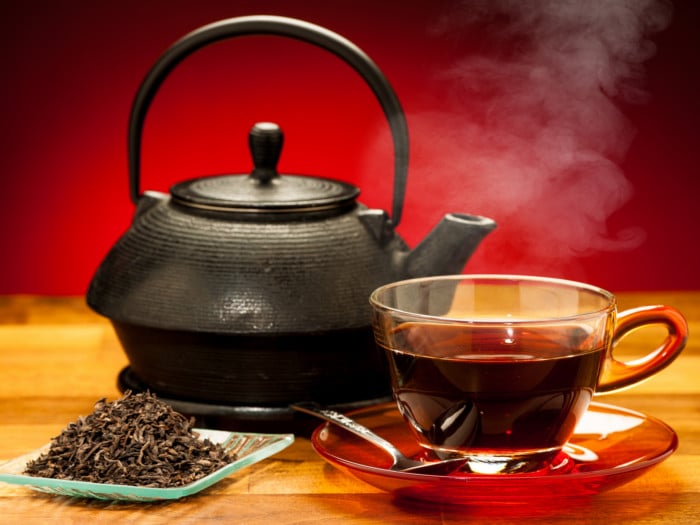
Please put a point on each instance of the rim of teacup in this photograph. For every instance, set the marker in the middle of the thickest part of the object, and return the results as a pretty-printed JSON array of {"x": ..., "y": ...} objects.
[{"x": 611, "y": 302}]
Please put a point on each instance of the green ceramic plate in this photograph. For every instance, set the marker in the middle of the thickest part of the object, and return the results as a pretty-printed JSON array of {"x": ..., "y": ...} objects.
[{"x": 250, "y": 449}]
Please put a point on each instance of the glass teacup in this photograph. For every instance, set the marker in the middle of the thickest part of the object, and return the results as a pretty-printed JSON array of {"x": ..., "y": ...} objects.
[{"x": 501, "y": 368}]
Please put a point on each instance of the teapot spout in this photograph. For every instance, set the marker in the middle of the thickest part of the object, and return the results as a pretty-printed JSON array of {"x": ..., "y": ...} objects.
[{"x": 448, "y": 246}]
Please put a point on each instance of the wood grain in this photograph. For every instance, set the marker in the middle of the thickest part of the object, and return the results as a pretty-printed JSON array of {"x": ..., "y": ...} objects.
[{"x": 57, "y": 358}]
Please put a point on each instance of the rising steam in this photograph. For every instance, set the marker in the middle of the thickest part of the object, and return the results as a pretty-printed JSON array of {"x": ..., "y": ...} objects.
[{"x": 535, "y": 130}]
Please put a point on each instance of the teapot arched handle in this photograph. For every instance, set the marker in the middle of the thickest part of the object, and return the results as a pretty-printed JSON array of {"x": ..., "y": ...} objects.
[{"x": 280, "y": 26}]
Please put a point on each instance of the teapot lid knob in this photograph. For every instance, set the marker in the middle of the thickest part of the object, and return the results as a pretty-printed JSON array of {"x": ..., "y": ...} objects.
[{"x": 265, "y": 141}]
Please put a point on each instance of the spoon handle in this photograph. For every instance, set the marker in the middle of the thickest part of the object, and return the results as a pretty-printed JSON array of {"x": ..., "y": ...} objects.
[{"x": 353, "y": 426}]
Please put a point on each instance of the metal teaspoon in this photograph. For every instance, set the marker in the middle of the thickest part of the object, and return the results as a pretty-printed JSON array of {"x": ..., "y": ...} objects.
[{"x": 399, "y": 461}]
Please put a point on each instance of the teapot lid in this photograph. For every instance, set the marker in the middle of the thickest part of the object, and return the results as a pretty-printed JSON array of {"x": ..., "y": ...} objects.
[{"x": 264, "y": 190}]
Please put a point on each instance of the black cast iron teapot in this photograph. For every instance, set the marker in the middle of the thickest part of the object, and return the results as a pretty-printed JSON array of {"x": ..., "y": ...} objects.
[{"x": 236, "y": 295}]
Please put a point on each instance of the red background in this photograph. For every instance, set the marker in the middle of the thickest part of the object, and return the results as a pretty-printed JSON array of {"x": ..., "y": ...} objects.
[{"x": 71, "y": 68}]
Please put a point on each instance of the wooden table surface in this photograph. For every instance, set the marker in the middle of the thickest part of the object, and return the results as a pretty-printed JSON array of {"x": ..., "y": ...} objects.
[{"x": 57, "y": 358}]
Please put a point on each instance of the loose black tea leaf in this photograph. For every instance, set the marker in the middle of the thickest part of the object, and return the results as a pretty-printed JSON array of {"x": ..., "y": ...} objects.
[{"x": 135, "y": 440}]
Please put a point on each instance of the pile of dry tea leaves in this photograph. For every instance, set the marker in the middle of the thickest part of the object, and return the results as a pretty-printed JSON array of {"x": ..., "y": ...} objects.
[{"x": 135, "y": 440}]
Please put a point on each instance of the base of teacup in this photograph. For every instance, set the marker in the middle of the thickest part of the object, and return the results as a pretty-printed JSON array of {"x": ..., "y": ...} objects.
[{"x": 513, "y": 462}]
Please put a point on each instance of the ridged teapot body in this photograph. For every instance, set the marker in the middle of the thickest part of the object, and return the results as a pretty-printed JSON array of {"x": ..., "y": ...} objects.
[{"x": 185, "y": 269}]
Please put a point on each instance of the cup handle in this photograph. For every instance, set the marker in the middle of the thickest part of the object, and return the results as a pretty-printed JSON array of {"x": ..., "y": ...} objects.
[{"x": 622, "y": 374}]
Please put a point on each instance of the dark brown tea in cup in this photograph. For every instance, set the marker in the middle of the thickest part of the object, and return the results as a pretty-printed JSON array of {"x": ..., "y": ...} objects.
[{"x": 492, "y": 390}]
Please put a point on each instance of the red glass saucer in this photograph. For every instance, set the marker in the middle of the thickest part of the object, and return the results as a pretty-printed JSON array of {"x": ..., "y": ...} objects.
[{"x": 611, "y": 446}]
